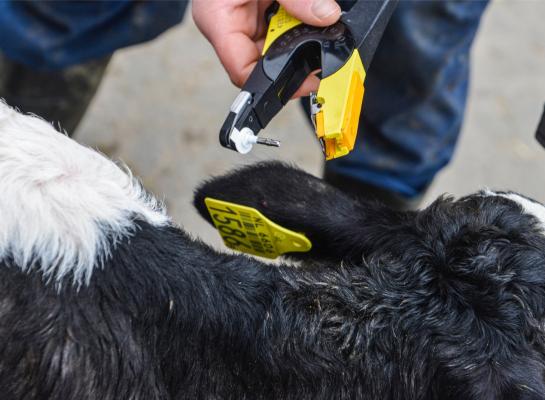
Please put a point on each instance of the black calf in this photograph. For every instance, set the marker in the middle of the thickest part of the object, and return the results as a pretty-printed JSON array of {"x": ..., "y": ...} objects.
[{"x": 446, "y": 303}]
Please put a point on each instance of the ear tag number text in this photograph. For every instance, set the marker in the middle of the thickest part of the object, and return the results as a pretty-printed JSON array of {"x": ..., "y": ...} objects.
[{"x": 247, "y": 230}]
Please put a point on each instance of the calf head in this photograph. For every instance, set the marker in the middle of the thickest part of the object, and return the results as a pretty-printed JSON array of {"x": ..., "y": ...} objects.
[{"x": 459, "y": 287}]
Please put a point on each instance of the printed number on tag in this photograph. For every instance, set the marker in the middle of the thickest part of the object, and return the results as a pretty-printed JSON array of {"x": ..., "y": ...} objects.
[{"x": 247, "y": 230}]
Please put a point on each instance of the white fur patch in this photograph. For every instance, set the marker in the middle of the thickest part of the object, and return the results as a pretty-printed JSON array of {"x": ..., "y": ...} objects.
[
  {"x": 530, "y": 207},
  {"x": 62, "y": 205}
]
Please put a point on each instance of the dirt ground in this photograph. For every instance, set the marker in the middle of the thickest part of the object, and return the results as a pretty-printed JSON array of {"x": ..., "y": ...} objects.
[{"x": 161, "y": 104}]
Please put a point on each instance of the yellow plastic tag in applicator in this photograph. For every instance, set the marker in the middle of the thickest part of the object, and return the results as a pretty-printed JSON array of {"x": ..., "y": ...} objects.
[{"x": 245, "y": 229}]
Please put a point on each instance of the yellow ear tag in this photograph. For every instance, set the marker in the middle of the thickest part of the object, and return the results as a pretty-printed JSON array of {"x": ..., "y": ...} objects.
[{"x": 247, "y": 230}]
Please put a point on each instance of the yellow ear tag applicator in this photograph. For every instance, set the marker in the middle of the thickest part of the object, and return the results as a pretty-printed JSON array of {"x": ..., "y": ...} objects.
[
  {"x": 339, "y": 100},
  {"x": 245, "y": 229},
  {"x": 293, "y": 50}
]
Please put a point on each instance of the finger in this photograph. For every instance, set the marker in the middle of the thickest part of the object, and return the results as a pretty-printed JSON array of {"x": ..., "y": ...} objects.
[
  {"x": 309, "y": 85},
  {"x": 262, "y": 24},
  {"x": 313, "y": 12},
  {"x": 238, "y": 55}
]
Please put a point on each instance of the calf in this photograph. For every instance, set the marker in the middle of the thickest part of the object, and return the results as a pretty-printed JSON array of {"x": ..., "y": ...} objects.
[{"x": 103, "y": 297}]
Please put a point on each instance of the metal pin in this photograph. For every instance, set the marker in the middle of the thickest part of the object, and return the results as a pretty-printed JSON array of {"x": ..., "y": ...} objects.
[
  {"x": 268, "y": 142},
  {"x": 322, "y": 143}
]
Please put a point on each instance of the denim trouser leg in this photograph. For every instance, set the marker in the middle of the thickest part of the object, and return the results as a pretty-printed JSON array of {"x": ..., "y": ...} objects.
[
  {"x": 415, "y": 96},
  {"x": 52, "y": 35},
  {"x": 53, "y": 54}
]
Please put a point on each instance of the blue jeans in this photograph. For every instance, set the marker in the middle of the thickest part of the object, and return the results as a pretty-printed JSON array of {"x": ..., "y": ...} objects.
[
  {"x": 51, "y": 35},
  {"x": 415, "y": 95}
]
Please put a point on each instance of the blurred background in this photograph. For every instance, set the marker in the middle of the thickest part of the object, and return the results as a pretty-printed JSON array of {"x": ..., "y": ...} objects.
[{"x": 160, "y": 107}]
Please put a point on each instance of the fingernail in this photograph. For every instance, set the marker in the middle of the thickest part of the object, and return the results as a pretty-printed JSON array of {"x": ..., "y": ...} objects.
[{"x": 324, "y": 8}]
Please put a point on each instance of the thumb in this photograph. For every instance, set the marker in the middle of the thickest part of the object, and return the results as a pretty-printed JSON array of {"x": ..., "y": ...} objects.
[{"x": 313, "y": 12}]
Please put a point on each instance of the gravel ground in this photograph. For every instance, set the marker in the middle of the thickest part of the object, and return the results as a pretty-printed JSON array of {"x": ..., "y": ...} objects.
[{"x": 161, "y": 105}]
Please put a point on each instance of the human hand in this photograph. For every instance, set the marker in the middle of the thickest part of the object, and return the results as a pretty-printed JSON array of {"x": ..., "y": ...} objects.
[{"x": 236, "y": 29}]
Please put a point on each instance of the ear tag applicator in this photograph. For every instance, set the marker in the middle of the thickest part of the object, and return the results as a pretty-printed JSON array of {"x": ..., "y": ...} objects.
[
  {"x": 245, "y": 229},
  {"x": 292, "y": 50}
]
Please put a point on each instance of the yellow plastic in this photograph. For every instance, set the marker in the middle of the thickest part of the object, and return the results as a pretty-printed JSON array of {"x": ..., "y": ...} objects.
[
  {"x": 340, "y": 96},
  {"x": 280, "y": 23},
  {"x": 247, "y": 230}
]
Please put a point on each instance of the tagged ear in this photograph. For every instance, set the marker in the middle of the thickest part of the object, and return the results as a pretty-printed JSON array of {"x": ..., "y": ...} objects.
[
  {"x": 283, "y": 193},
  {"x": 250, "y": 186},
  {"x": 291, "y": 198}
]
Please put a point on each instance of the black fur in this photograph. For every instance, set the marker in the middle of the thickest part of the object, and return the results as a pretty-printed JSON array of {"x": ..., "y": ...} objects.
[{"x": 445, "y": 303}]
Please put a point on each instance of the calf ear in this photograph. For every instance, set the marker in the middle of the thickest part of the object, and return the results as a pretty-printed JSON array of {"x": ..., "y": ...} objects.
[
  {"x": 291, "y": 198},
  {"x": 285, "y": 194}
]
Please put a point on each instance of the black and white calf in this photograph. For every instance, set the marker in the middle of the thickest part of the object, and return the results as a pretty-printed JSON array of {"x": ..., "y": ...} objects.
[{"x": 102, "y": 297}]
